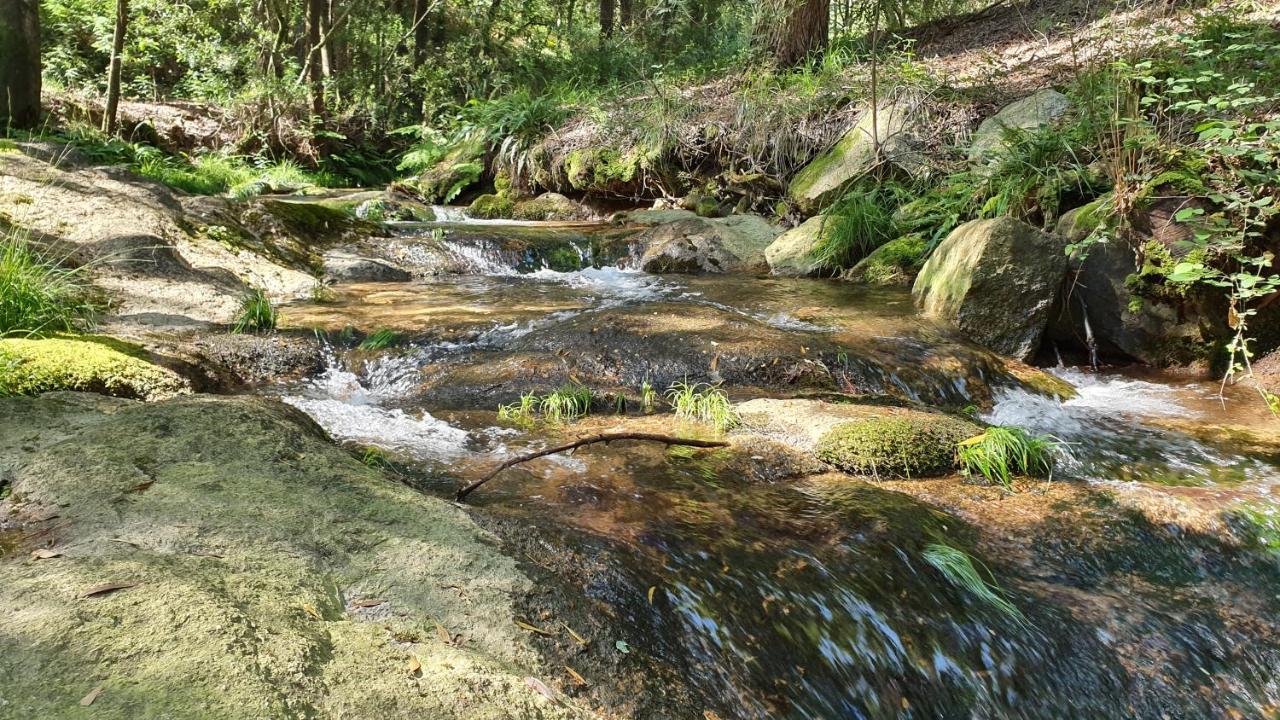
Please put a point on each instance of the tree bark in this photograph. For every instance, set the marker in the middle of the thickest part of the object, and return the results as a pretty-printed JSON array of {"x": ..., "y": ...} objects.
[
  {"x": 111, "y": 119},
  {"x": 626, "y": 12},
  {"x": 422, "y": 44},
  {"x": 795, "y": 31},
  {"x": 606, "y": 18},
  {"x": 317, "y": 12},
  {"x": 19, "y": 63}
]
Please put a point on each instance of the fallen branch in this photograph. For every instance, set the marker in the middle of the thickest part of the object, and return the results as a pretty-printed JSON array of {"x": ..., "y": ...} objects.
[{"x": 591, "y": 440}]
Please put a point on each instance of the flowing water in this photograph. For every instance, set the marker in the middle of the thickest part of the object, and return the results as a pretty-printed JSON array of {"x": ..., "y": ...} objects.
[{"x": 829, "y": 597}]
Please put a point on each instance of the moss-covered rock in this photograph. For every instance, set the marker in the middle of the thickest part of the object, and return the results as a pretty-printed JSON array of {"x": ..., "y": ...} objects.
[
  {"x": 604, "y": 170},
  {"x": 701, "y": 245},
  {"x": 794, "y": 252},
  {"x": 89, "y": 363},
  {"x": 552, "y": 207},
  {"x": 1029, "y": 114},
  {"x": 904, "y": 444},
  {"x": 264, "y": 573},
  {"x": 895, "y": 263},
  {"x": 491, "y": 207}
]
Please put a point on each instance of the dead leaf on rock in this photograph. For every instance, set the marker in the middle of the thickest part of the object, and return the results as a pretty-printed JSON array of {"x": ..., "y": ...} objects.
[
  {"x": 367, "y": 602},
  {"x": 533, "y": 628},
  {"x": 45, "y": 554},
  {"x": 415, "y": 666},
  {"x": 541, "y": 688},
  {"x": 577, "y": 679},
  {"x": 710, "y": 715},
  {"x": 106, "y": 588},
  {"x": 87, "y": 700},
  {"x": 312, "y": 611}
]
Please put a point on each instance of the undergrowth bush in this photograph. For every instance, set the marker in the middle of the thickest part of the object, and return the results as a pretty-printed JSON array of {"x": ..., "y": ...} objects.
[
  {"x": 959, "y": 570},
  {"x": 568, "y": 402}
]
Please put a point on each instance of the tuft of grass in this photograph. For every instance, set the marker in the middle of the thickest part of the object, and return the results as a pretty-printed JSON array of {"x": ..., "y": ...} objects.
[
  {"x": 958, "y": 568},
  {"x": 380, "y": 340},
  {"x": 1001, "y": 453},
  {"x": 702, "y": 403},
  {"x": 523, "y": 412},
  {"x": 38, "y": 295},
  {"x": 569, "y": 402},
  {"x": 648, "y": 397},
  {"x": 257, "y": 314},
  {"x": 857, "y": 224}
]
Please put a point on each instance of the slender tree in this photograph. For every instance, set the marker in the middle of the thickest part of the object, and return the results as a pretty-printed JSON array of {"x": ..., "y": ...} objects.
[
  {"x": 794, "y": 31},
  {"x": 316, "y": 20},
  {"x": 19, "y": 63},
  {"x": 606, "y": 18},
  {"x": 111, "y": 118}
]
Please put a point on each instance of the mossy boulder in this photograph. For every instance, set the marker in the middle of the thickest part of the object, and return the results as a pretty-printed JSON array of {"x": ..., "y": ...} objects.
[
  {"x": 995, "y": 280},
  {"x": 795, "y": 252},
  {"x": 263, "y": 573},
  {"x": 899, "y": 445},
  {"x": 491, "y": 207},
  {"x": 89, "y": 363},
  {"x": 703, "y": 245},
  {"x": 604, "y": 170},
  {"x": 990, "y": 140},
  {"x": 898, "y": 126},
  {"x": 895, "y": 263},
  {"x": 550, "y": 207}
]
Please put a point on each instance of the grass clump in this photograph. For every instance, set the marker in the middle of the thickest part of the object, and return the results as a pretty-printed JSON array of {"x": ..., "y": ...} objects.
[
  {"x": 380, "y": 340},
  {"x": 37, "y": 294},
  {"x": 958, "y": 568},
  {"x": 568, "y": 402},
  {"x": 1001, "y": 453},
  {"x": 906, "y": 445},
  {"x": 648, "y": 397},
  {"x": 857, "y": 224},
  {"x": 257, "y": 314},
  {"x": 702, "y": 403}
]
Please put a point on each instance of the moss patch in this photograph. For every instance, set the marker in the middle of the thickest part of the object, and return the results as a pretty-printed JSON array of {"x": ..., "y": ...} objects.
[
  {"x": 899, "y": 445},
  {"x": 894, "y": 263},
  {"x": 491, "y": 207},
  {"x": 94, "y": 364}
]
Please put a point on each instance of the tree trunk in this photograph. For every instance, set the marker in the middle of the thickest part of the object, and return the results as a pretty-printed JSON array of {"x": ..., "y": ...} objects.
[
  {"x": 110, "y": 119},
  {"x": 606, "y": 18},
  {"x": 19, "y": 63},
  {"x": 626, "y": 11},
  {"x": 421, "y": 32},
  {"x": 317, "y": 12},
  {"x": 796, "y": 30}
]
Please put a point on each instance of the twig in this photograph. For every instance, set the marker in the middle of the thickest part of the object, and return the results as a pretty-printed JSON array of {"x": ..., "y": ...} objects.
[{"x": 591, "y": 440}]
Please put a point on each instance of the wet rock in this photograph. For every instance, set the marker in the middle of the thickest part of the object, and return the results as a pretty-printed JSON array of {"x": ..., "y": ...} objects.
[
  {"x": 86, "y": 363},
  {"x": 732, "y": 244},
  {"x": 551, "y": 207},
  {"x": 898, "y": 126},
  {"x": 345, "y": 266},
  {"x": 238, "y": 360},
  {"x": 995, "y": 280},
  {"x": 260, "y": 572},
  {"x": 1026, "y": 115},
  {"x": 794, "y": 252},
  {"x": 491, "y": 207}
]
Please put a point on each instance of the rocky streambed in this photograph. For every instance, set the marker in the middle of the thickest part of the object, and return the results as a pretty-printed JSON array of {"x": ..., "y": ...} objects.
[{"x": 292, "y": 550}]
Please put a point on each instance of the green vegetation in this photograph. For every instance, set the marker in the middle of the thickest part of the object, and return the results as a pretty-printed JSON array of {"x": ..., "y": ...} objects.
[
  {"x": 958, "y": 568},
  {"x": 702, "y": 403},
  {"x": 30, "y": 366},
  {"x": 648, "y": 397},
  {"x": 380, "y": 340},
  {"x": 1001, "y": 453},
  {"x": 257, "y": 314},
  {"x": 566, "y": 403},
  {"x": 38, "y": 295},
  {"x": 906, "y": 445},
  {"x": 860, "y": 222},
  {"x": 491, "y": 207}
]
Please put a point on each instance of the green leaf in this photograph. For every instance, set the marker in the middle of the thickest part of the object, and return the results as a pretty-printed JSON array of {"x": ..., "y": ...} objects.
[{"x": 622, "y": 646}]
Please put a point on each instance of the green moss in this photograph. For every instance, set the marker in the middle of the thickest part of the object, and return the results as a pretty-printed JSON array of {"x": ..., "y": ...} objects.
[
  {"x": 491, "y": 207},
  {"x": 894, "y": 263},
  {"x": 309, "y": 218},
  {"x": 905, "y": 444},
  {"x": 90, "y": 363},
  {"x": 549, "y": 206},
  {"x": 602, "y": 169}
]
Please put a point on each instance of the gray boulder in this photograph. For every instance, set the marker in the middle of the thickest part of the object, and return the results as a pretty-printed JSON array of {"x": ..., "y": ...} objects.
[
  {"x": 996, "y": 280},
  {"x": 794, "y": 252},
  {"x": 1028, "y": 114},
  {"x": 704, "y": 245},
  {"x": 343, "y": 266},
  {"x": 898, "y": 126}
]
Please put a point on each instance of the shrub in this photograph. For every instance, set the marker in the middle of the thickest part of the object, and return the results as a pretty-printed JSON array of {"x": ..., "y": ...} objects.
[
  {"x": 1003, "y": 452},
  {"x": 257, "y": 314},
  {"x": 909, "y": 444}
]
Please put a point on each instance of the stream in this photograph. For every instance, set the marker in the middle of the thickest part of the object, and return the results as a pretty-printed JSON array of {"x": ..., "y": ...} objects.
[{"x": 824, "y": 596}]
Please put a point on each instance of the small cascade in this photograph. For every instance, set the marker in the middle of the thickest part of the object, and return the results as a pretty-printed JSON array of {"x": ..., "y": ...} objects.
[{"x": 450, "y": 213}]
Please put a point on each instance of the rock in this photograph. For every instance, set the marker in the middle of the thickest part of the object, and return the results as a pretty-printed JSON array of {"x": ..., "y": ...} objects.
[
  {"x": 88, "y": 363},
  {"x": 895, "y": 263},
  {"x": 702, "y": 245},
  {"x": 793, "y": 253},
  {"x": 656, "y": 216},
  {"x": 899, "y": 127},
  {"x": 863, "y": 439},
  {"x": 491, "y": 207},
  {"x": 995, "y": 280},
  {"x": 550, "y": 207},
  {"x": 262, "y": 572},
  {"x": 239, "y": 360},
  {"x": 1028, "y": 114},
  {"x": 344, "y": 266}
]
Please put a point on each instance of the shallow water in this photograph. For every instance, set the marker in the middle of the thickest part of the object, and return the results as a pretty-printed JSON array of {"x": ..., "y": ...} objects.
[{"x": 817, "y": 598}]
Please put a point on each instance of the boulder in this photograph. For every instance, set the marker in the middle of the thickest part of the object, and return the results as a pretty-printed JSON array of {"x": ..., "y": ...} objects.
[
  {"x": 704, "y": 245},
  {"x": 995, "y": 280},
  {"x": 794, "y": 252},
  {"x": 344, "y": 266},
  {"x": 1028, "y": 114},
  {"x": 899, "y": 126},
  {"x": 894, "y": 263},
  {"x": 491, "y": 207},
  {"x": 550, "y": 207}
]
